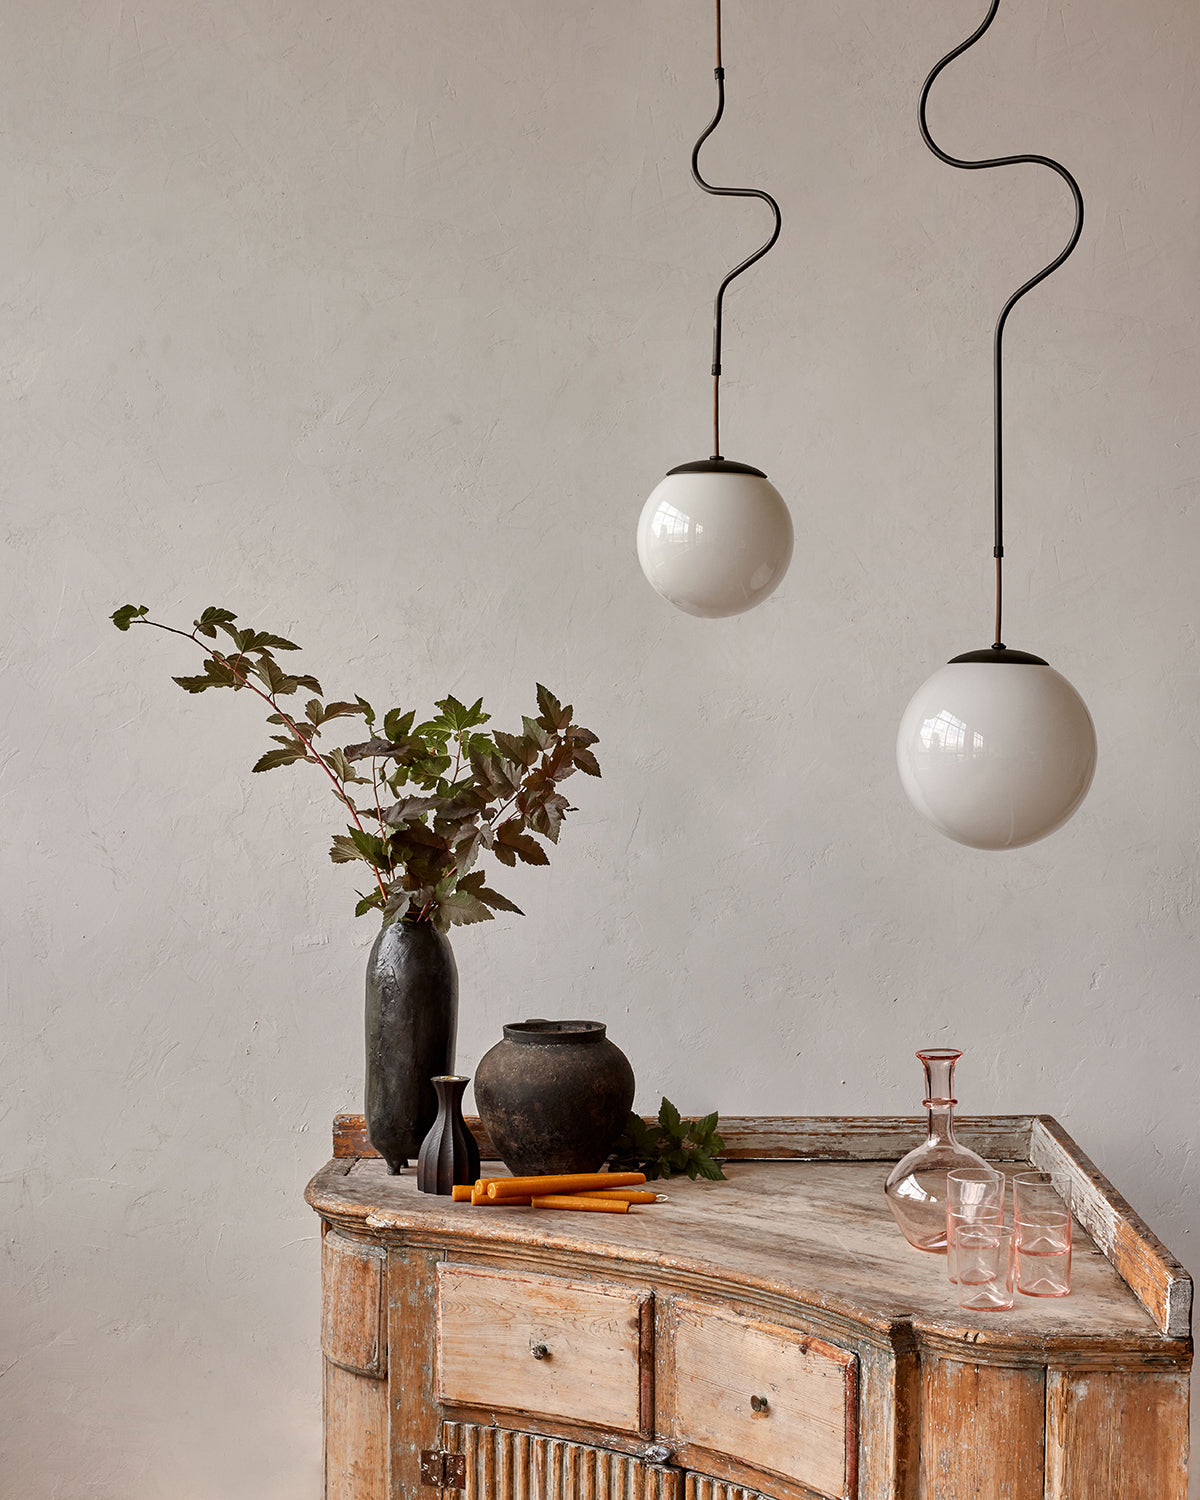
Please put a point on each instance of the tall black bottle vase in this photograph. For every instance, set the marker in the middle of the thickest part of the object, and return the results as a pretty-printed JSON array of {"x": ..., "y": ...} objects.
[
  {"x": 449, "y": 1154},
  {"x": 411, "y": 1022}
]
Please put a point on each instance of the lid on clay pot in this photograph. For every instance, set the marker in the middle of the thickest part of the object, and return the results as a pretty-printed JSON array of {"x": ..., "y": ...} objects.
[{"x": 555, "y": 1031}]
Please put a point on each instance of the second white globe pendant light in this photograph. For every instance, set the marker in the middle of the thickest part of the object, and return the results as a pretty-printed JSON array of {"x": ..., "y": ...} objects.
[
  {"x": 715, "y": 537},
  {"x": 997, "y": 749}
]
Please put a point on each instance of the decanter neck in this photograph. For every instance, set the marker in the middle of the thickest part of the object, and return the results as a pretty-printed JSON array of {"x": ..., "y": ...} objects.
[{"x": 939, "y": 1098}]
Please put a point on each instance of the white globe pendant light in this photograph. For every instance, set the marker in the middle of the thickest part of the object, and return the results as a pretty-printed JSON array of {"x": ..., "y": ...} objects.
[
  {"x": 997, "y": 749},
  {"x": 715, "y": 537}
]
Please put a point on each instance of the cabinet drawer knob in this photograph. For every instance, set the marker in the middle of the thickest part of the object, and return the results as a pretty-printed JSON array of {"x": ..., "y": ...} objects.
[
  {"x": 539, "y": 1351},
  {"x": 759, "y": 1404}
]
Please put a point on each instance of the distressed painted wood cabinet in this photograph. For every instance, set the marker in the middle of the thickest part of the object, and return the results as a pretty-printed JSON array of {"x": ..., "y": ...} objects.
[{"x": 771, "y": 1336}]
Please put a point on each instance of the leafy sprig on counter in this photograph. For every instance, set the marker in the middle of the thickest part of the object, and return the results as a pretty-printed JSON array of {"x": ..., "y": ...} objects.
[{"x": 669, "y": 1146}]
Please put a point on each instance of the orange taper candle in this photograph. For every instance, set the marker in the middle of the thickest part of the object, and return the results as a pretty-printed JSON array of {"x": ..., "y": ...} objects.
[
  {"x": 630, "y": 1195},
  {"x": 577, "y": 1182},
  {"x": 582, "y": 1202}
]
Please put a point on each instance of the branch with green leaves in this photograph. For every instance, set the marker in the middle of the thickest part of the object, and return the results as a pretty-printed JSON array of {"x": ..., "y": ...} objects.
[
  {"x": 425, "y": 800},
  {"x": 670, "y": 1145}
]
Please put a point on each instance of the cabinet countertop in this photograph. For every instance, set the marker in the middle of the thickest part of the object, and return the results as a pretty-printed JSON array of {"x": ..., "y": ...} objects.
[{"x": 814, "y": 1233}]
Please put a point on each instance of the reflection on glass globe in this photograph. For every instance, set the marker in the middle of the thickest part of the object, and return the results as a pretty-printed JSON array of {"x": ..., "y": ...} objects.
[
  {"x": 715, "y": 538},
  {"x": 996, "y": 749}
]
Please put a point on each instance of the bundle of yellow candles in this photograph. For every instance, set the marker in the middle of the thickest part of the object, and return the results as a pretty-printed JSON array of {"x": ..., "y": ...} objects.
[{"x": 588, "y": 1192}]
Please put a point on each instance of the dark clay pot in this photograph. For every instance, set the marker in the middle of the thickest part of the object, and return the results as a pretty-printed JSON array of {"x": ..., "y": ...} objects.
[
  {"x": 554, "y": 1096},
  {"x": 412, "y": 1018}
]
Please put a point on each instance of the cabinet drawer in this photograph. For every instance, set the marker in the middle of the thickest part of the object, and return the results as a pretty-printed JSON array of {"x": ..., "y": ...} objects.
[
  {"x": 759, "y": 1395},
  {"x": 577, "y": 1350}
]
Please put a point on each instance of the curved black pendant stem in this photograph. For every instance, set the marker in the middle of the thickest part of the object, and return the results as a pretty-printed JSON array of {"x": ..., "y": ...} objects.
[
  {"x": 1001, "y": 161},
  {"x": 727, "y": 192}
]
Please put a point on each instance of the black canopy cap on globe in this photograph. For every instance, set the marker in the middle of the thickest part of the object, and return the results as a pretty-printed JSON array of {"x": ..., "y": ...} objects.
[
  {"x": 1002, "y": 654},
  {"x": 716, "y": 466}
]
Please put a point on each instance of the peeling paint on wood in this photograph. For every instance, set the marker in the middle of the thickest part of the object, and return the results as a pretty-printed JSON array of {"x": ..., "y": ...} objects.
[
  {"x": 787, "y": 1137},
  {"x": 1123, "y": 1435},
  {"x": 353, "y": 1325},
  {"x": 982, "y": 1432},
  {"x": 785, "y": 1257},
  {"x": 838, "y": 1147},
  {"x": 1159, "y": 1282}
]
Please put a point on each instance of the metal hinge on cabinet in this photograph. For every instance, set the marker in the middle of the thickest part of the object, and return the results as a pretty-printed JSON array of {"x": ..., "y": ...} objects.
[{"x": 443, "y": 1471}]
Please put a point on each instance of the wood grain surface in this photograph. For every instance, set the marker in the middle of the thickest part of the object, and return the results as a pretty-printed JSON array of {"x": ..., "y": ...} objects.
[
  {"x": 353, "y": 1327},
  {"x": 816, "y": 1234},
  {"x": 982, "y": 1433},
  {"x": 1124, "y": 1436},
  {"x": 1080, "y": 1398},
  {"x": 788, "y": 1137},
  {"x": 587, "y": 1335},
  {"x": 412, "y": 1314},
  {"x": 1157, "y": 1279},
  {"x": 356, "y": 1436},
  {"x": 889, "y": 1406},
  {"x": 700, "y": 1487},
  {"x": 758, "y": 1394}
]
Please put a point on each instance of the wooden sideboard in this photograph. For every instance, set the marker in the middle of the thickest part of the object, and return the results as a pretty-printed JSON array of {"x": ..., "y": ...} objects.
[{"x": 770, "y": 1336}]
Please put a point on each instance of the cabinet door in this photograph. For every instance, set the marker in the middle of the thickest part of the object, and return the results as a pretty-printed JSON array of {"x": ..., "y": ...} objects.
[{"x": 503, "y": 1465}]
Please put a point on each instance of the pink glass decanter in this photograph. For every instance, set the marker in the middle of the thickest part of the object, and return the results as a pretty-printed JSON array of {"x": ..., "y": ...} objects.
[{"x": 916, "y": 1185}]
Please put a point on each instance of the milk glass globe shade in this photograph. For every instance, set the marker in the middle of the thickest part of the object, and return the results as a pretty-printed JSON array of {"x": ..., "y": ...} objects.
[
  {"x": 996, "y": 749},
  {"x": 715, "y": 538}
]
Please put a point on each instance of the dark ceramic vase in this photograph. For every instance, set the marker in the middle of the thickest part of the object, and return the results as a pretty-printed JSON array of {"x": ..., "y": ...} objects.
[
  {"x": 554, "y": 1096},
  {"x": 412, "y": 1018},
  {"x": 449, "y": 1154}
]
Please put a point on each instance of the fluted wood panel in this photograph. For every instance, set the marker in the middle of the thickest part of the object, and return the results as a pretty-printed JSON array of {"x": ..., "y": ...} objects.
[
  {"x": 521, "y": 1466},
  {"x": 698, "y": 1487}
]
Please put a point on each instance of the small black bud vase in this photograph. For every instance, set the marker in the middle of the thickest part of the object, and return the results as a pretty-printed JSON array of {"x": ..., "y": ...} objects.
[{"x": 448, "y": 1153}]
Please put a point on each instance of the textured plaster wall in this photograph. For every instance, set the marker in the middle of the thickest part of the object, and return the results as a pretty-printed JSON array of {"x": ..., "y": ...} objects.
[{"x": 375, "y": 322}]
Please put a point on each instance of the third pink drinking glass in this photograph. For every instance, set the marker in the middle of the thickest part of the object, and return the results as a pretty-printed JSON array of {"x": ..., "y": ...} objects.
[
  {"x": 1042, "y": 1224},
  {"x": 985, "y": 1267}
]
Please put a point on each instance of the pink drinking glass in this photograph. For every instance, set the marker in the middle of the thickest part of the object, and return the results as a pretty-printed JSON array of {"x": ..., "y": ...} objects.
[
  {"x": 1042, "y": 1222},
  {"x": 986, "y": 1267},
  {"x": 974, "y": 1196}
]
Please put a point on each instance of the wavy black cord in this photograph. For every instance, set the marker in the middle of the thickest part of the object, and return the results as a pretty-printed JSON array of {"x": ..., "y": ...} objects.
[
  {"x": 727, "y": 192},
  {"x": 1001, "y": 161}
]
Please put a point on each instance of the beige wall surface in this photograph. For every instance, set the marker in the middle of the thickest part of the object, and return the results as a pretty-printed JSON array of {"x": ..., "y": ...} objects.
[{"x": 376, "y": 322}]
